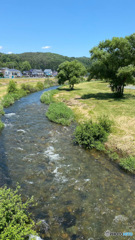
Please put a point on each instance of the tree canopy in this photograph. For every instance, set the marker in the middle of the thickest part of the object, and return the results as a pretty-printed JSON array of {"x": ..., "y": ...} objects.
[
  {"x": 114, "y": 61},
  {"x": 70, "y": 71},
  {"x": 26, "y": 66},
  {"x": 38, "y": 60}
]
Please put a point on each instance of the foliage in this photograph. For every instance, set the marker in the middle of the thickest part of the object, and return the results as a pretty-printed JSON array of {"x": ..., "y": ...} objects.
[
  {"x": 128, "y": 163},
  {"x": 12, "y": 87},
  {"x": 1, "y": 110},
  {"x": 1, "y": 125},
  {"x": 25, "y": 66},
  {"x": 70, "y": 71},
  {"x": 48, "y": 83},
  {"x": 39, "y": 86},
  {"x": 60, "y": 113},
  {"x": 1, "y": 75},
  {"x": 47, "y": 97},
  {"x": 106, "y": 123},
  {"x": 37, "y": 60},
  {"x": 114, "y": 61},
  {"x": 28, "y": 88},
  {"x": 7, "y": 100},
  {"x": 19, "y": 94},
  {"x": 15, "y": 221},
  {"x": 92, "y": 135}
]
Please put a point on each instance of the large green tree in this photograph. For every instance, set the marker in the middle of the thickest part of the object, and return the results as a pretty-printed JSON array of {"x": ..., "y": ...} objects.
[
  {"x": 114, "y": 61},
  {"x": 70, "y": 71},
  {"x": 26, "y": 66}
]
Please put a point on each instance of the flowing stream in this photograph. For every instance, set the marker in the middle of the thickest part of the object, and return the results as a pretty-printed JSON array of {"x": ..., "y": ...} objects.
[{"x": 80, "y": 194}]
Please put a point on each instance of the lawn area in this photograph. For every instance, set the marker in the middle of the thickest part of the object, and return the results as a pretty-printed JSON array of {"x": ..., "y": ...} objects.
[{"x": 90, "y": 100}]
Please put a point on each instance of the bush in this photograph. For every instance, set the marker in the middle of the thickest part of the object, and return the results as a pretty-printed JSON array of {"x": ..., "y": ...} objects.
[
  {"x": 60, "y": 113},
  {"x": 12, "y": 87},
  {"x": 106, "y": 123},
  {"x": 15, "y": 222},
  {"x": 49, "y": 83},
  {"x": 128, "y": 163},
  {"x": 7, "y": 100},
  {"x": 39, "y": 86},
  {"x": 1, "y": 125},
  {"x": 90, "y": 135},
  {"x": 28, "y": 88},
  {"x": 1, "y": 110},
  {"x": 47, "y": 97}
]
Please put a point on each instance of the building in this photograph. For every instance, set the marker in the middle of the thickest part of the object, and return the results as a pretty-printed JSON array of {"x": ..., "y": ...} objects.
[
  {"x": 48, "y": 72},
  {"x": 26, "y": 73},
  {"x": 36, "y": 73},
  {"x": 54, "y": 73},
  {"x": 11, "y": 73}
]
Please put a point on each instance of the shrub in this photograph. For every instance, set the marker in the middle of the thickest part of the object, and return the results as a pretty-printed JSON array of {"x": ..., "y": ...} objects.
[
  {"x": 15, "y": 222},
  {"x": 1, "y": 125},
  {"x": 39, "y": 86},
  {"x": 60, "y": 113},
  {"x": 18, "y": 94},
  {"x": 1, "y": 110},
  {"x": 47, "y": 97},
  {"x": 48, "y": 83},
  {"x": 128, "y": 163},
  {"x": 28, "y": 88},
  {"x": 90, "y": 135},
  {"x": 12, "y": 87},
  {"x": 7, "y": 100},
  {"x": 106, "y": 123}
]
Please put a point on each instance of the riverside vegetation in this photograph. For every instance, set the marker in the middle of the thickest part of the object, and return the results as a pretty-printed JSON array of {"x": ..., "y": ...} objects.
[
  {"x": 16, "y": 222},
  {"x": 14, "y": 91},
  {"x": 93, "y": 101}
]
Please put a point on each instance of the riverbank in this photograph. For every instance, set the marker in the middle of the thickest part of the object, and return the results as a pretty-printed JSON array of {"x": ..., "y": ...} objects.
[
  {"x": 31, "y": 81},
  {"x": 90, "y": 100},
  {"x": 20, "y": 88}
]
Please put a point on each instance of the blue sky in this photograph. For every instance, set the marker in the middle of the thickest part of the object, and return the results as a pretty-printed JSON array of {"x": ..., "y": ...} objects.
[{"x": 67, "y": 27}]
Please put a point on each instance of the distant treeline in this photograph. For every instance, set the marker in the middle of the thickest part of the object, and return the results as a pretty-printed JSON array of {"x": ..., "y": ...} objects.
[{"x": 37, "y": 60}]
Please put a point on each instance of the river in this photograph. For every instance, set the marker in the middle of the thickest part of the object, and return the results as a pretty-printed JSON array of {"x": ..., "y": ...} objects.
[{"x": 80, "y": 194}]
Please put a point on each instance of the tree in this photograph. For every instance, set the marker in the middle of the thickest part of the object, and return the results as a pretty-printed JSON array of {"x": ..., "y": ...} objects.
[
  {"x": 70, "y": 71},
  {"x": 114, "y": 61},
  {"x": 26, "y": 66},
  {"x": 1, "y": 75}
]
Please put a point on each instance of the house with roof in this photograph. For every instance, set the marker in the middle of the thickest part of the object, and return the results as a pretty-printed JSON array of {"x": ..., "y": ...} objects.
[
  {"x": 48, "y": 72},
  {"x": 36, "y": 73},
  {"x": 11, "y": 73}
]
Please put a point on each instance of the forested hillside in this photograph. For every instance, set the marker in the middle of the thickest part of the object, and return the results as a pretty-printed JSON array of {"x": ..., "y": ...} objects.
[{"x": 37, "y": 60}]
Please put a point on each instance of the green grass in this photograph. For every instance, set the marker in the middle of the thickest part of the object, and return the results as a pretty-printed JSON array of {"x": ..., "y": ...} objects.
[
  {"x": 47, "y": 97},
  {"x": 128, "y": 164},
  {"x": 1, "y": 125},
  {"x": 60, "y": 113},
  {"x": 91, "y": 100}
]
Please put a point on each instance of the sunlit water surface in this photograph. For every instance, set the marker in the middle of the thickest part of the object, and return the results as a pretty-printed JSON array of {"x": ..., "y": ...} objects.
[{"x": 80, "y": 194}]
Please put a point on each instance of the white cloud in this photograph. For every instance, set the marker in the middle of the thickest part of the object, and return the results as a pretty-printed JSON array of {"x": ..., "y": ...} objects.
[
  {"x": 46, "y": 47},
  {"x": 1, "y": 47},
  {"x": 9, "y": 52}
]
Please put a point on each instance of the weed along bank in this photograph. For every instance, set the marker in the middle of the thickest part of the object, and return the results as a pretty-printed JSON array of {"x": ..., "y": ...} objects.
[{"x": 48, "y": 166}]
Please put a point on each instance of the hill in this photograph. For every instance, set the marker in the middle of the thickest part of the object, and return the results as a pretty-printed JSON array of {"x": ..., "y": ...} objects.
[{"x": 38, "y": 60}]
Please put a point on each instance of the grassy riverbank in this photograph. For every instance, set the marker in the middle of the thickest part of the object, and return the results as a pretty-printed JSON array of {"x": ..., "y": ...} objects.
[
  {"x": 12, "y": 90},
  {"x": 31, "y": 81},
  {"x": 91, "y": 100}
]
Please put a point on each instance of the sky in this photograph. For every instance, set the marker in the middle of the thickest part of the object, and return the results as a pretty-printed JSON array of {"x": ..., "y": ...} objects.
[{"x": 67, "y": 27}]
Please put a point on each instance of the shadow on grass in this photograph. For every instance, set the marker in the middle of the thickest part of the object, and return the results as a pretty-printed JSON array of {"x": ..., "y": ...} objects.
[
  {"x": 107, "y": 96},
  {"x": 68, "y": 89}
]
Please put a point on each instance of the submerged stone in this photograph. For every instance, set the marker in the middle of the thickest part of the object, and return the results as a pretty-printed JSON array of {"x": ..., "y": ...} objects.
[{"x": 69, "y": 220}]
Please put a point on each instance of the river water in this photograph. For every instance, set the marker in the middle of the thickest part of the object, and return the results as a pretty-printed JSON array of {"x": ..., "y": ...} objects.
[{"x": 79, "y": 194}]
